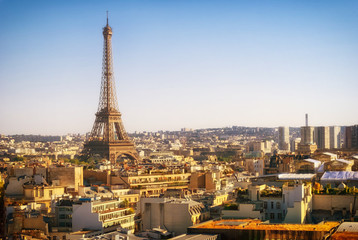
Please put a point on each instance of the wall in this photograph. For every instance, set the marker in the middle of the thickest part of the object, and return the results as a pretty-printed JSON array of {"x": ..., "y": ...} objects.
[
  {"x": 156, "y": 213},
  {"x": 42, "y": 193},
  {"x": 329, "y": 202},
  {"x": 296, "y": 214},
  {"x": 272, "y": 209},
  {"x": 82, "y": 217},
  {"x": 197, "y": 180},
  {"x": 118, "y": 180},
  {"x": 36, "y": 223},
  {"x": 209, "y": 182},
  {"x": 152, "y": 213},
  {"x": 293, "y": 194},
  {"x": 177, "y": 217},
  {"x": 27, "y": 171},
  {"x": 99, "y": 176},
  {"x": 15, "y": 186},
  {"x": 251, "y": 234},
  {"x": 245, "y": 211},
  {"x": 71, "y": 177},
  {"x": 298, "y": 202}
]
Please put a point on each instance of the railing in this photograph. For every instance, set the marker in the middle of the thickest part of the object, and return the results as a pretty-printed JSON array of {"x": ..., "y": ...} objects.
[{"x": 169, "y": 184}]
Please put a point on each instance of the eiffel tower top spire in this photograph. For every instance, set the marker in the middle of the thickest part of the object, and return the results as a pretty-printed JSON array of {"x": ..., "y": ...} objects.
[
  {"x": 107, "y": 18},
  {"x": 108, "y": 98}
]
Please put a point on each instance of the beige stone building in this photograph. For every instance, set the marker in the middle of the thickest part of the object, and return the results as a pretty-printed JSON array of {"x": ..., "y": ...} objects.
[
  {"x": 41, "y": 194},
  {"x": 101, "y": 215},
  {"x": 69, "y": 177},
  {"x": 152, "y": 184},
  {"x": 173, "y": 215},
  {"x": 208, "y": 181}
]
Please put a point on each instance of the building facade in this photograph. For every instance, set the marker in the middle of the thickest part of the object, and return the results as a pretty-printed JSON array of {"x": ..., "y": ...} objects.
[
  {"x": 322, "y": 137},
  {"x": 284, "y": 138},
  {"x": 173, "y": 215}
]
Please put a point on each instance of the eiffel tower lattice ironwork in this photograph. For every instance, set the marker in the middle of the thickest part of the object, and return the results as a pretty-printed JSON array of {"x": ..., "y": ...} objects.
[{"x": 108, "y": 137}]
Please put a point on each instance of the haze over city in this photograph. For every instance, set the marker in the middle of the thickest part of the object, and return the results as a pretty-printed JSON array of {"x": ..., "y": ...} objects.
[
  {"x": 200, "y": 120},
  {"x": 177, "y": 64}
]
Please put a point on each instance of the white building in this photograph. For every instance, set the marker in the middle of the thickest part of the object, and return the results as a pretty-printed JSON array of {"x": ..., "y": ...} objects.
[
  {"x": 297, "y": 202},
  {"x": 101, "y": 215},
  {"x": 173, "y": 215},
  {"x": 292, "y": 204}
]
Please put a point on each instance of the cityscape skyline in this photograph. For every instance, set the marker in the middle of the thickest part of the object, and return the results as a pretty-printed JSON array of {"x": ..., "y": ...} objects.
[{"x": 199, "y": 70}]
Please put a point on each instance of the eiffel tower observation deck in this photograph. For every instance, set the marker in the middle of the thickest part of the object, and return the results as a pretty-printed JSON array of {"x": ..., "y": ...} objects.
[{"x": 108, "y": 138}]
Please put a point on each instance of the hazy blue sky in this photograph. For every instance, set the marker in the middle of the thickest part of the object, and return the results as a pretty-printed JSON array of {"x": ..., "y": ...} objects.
[{"x": 178, "y": 63}]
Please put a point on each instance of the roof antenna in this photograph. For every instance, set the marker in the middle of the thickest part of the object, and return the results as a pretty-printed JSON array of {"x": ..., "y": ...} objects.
[{"x": 107, "y": 18}]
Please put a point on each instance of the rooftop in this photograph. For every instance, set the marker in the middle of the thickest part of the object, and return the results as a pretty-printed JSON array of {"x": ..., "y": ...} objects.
[
  {"x": 251, "y": 224},
  {"x": 339, "y": 176},
  {"x": 194, "y": 237},
  {"x": 345, "y": 236},
  {"x": 296, "y": 176},
  {"x": 348, "y": 227}
]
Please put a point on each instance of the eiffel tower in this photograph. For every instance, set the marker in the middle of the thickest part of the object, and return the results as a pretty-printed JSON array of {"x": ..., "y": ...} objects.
[{"x": 108, "y": 137}]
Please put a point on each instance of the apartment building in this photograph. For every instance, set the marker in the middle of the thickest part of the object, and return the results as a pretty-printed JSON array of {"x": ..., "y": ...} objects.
[
  {"x": 173, "y": 215},
  {"x": 153, "y": 184},
  {"x": 101, "y": 215}
]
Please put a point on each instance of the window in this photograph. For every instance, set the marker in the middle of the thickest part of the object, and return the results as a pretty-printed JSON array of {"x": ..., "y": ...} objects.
[
  {"x": 272, "y": 216},
  {"x": 278, "y": 205},
  {"x": 266, "y": 216},
  {"x": 279, "y": 216},
  {"x": 271, "y": 205},
  {"x": 265, "y": 205}
]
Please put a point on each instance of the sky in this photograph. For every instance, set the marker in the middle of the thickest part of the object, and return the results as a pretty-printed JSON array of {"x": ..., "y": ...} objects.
[{"x": 178, "y": 63}]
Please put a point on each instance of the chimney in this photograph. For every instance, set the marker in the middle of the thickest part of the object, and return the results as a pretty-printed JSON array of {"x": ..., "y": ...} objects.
[{"x": 306, "y": 120}]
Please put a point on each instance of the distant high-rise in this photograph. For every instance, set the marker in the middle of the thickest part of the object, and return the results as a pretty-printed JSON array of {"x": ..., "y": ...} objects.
[
  {"x": 322, "y": 137},
  {"x": 335, "y": 137},
  {"x": 351, "y": 137},
  {"x": 294, "y": 144},
  {"x": 307, "y": 144},
  {"x": 307, "y": 135},
  {"x": 284, "y": 138}
]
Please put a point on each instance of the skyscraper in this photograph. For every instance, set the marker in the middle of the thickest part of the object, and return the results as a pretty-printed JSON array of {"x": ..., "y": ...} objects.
[
  {"x": 335, "y": 137},
  {"x": 284, "y": 138},
  {"x": 307, "y": 135},
  {"x": 307, "y": 144},
  {"x": 322, "y": 137},
  {"x": 351, "y": 137}
]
